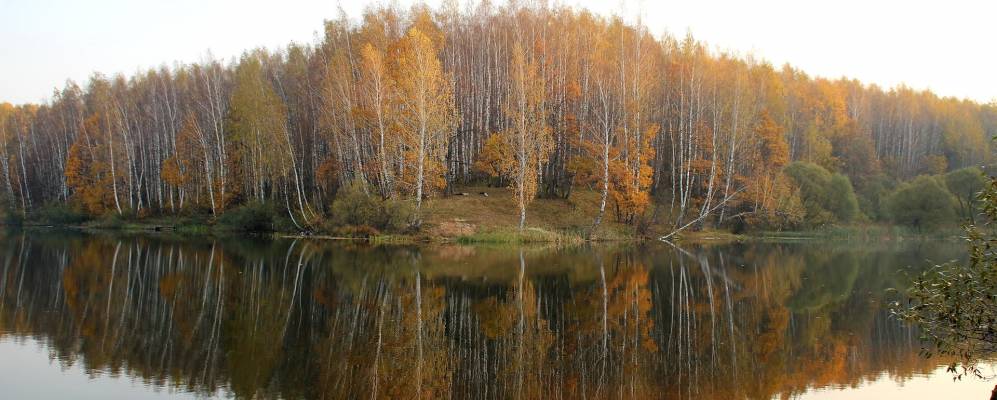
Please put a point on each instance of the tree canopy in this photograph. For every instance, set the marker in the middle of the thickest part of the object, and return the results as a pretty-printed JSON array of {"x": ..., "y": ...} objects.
[
  {"x": 923, "y": 203},
  {"x": 412, "y": 103},
  {"x": 827, "y": 198}
]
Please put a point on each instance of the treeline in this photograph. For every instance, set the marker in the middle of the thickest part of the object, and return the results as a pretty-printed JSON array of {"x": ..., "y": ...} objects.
[
  {"x": 410, "y": 104},
  {"x": 925, "y": 203}
]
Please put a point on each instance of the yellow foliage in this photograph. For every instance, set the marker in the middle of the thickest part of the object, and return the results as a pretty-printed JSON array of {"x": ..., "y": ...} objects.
[
  {"x": 428, "y": 113},
  {"x": 495, "y": 159}
]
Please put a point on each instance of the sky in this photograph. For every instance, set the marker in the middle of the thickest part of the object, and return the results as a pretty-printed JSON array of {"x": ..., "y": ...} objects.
[{"x": 945, "y": 46}]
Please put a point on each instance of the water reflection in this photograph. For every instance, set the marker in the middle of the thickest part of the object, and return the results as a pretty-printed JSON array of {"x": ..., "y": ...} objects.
[{"x": 307, "y": 319}]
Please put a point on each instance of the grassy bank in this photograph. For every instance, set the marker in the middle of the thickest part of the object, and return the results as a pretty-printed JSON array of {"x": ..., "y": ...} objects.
[
  {"x": 473, "y": 215},
  {"x": 477, "y": 214},
  {"x": 490, "y": 215},
  {"x": 862, "y": 232}
]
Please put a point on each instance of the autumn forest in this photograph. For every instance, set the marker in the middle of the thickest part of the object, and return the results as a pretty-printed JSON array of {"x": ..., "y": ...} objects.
[{"x": 406, "y": 107}]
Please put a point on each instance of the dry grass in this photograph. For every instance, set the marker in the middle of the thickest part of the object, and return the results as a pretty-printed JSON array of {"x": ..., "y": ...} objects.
[{"x": 495, "y": 218}]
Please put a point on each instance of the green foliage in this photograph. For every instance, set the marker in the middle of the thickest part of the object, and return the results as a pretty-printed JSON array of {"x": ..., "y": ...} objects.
[
  {"x": 529, "y": 235},
  {"x": 841, "y": 199},
  {"x": 58, "y": 214},
  {"x": 11, "y": 217},
  {"x": 955, "y": 304},
  {"x": 965, "y": 184},
  {"x": 827, "y": 198},
  {"x": 923, "y": 203},
  {"x": 872, "y": 194},
  {"x": 355, "y": 206},
  {"x": 109, "y": 221},
  {"x": 252, "y": 217}
]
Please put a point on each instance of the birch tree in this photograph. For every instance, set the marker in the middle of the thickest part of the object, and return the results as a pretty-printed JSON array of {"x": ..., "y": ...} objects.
[
  {"x": 528, "y": 134},
  {"x": 427, "y": 113}
]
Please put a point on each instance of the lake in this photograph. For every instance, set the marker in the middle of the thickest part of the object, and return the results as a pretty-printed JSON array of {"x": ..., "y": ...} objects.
[{"x": 103, "y": 316}]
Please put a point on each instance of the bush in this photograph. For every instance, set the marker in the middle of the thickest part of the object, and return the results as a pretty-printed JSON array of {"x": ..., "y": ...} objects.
[
  {"x": 251, "y": 217},
  {"x": 827, "y": 198},
  {"x": 11, "y": 217},
  {"x": 110, "y": 221},
  {"x": 953, "y": 304},
  {"x": 841, "y": 199},
  {"x": 923, "y": 203},
  {"x": 353, "y": 205},
  {"x": 965, "y": 184},
  {"x": 872, "y": 194},
  {"x": 356, "y": 206},
  {"x": 58, "y": 214}
]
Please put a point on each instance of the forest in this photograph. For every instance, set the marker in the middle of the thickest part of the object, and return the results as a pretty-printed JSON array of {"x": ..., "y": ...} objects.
[{"x": 405, "y": 107}]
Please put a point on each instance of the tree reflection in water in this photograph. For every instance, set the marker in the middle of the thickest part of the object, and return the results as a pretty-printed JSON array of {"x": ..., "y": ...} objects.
[{"x": 326, "y": 320}]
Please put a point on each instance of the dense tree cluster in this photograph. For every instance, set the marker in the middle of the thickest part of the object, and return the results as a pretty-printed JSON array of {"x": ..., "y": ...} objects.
[{"x": 413, "y": 103}]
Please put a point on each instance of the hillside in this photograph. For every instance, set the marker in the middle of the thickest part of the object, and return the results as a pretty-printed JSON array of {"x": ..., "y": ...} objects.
[{"x": 497, "y": 214}]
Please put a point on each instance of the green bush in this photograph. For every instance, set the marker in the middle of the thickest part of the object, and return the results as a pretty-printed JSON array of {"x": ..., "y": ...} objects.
[
  {"x": 110, "y": 220},
  {"x": 841, "y": 199},
  {"x": 965, "y": 184},
  {"x": 356, "y": 206},
  {"x": 58, "y": 214},
  {"x": 353, "y": 205},
  {"x": 953, "y": 304},
  {"x": 923, "y": 203},
  {"x": 872, "y": 194},
  {"x": 11, "y": 217},
  {"x": 827, "y": 198},
  {"x": 251, "y": 217}
]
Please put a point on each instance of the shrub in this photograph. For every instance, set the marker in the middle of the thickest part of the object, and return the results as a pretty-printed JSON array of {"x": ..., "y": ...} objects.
[
  {"x": 872, "y": 194},
  {"x": 356, "y": 206},
  {"x": 827, "y": 198},
  {"x": 58, "y": 214},
  {"x": 251, "y": 217},
  {"x": 841, "y": 199},
  {"x": 395, "y": 215},
  {"x": 953, "y": 304},
  {"x": 922, "y": 203},
  {"x": 965, "y": 184},
  {"x": 11, "y": 217},
  {"x": 353, "y": 205},
  {"x": 110, "y": 221}
]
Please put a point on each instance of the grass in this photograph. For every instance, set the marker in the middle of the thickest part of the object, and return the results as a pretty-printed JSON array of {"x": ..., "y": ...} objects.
[
  {"x": 471, "y": 219},
  {"x": 495, "y": 218},
  {"x": 709, "y": 235},
  {"x": 862, "y": 232},
  {"x": 513, "y": 236}
]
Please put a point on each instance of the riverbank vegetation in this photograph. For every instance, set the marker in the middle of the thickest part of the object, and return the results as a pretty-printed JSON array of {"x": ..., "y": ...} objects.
[
  {"x": 590, "y": 127},
  {"x": 954, "y": 303}
]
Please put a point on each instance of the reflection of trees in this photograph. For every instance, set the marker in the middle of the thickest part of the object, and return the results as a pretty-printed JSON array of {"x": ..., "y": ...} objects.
[
  {"x": 300, "y": 319},
  {"x": 515, "y": 342},
  {"x": 386, "y": 342},
  {"x": 779, "y": 319},
  {"x": 607, "y": 341}
]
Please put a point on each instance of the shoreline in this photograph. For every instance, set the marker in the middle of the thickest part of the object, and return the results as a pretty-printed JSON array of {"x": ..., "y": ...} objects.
[{"x": 508, "y": 235}]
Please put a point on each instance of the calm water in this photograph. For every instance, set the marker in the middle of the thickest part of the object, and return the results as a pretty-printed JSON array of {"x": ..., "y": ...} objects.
[{"x": 129, "y": 317}]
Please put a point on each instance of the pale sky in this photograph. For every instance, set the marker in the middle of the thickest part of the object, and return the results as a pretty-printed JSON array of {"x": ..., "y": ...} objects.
[{"x": 948, "y": 46}]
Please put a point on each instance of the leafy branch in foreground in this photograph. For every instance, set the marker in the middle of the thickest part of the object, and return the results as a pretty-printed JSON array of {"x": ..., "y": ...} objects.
[{"x": 955, "y": 304}]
